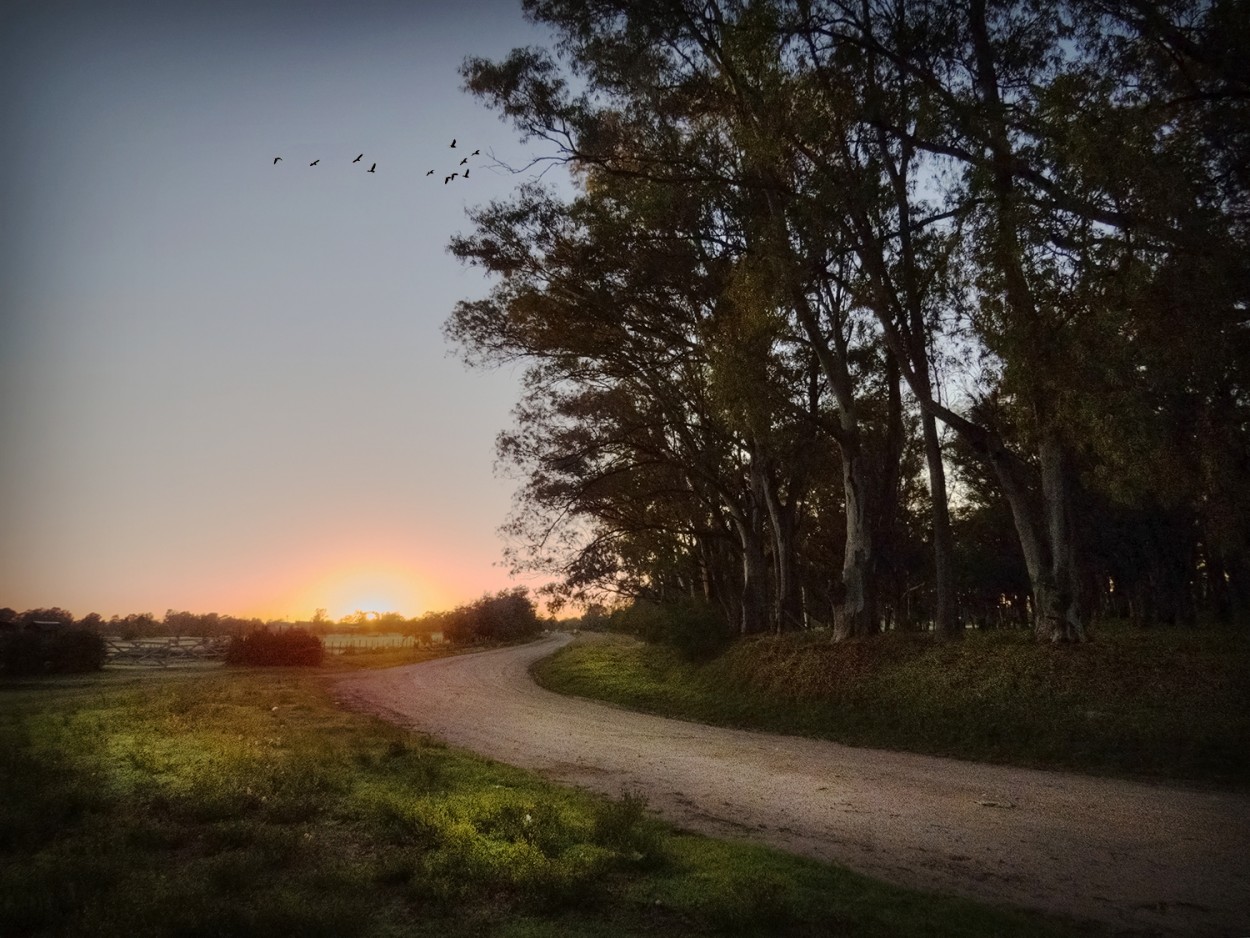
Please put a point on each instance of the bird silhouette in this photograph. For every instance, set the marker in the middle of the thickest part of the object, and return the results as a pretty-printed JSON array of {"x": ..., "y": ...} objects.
[
  {"x": 475, "y": 153},
  {"x": 357, "y": 159},
  {"x": 466, "y": 174},
  {"x": 372, "y": 168},
  {"x": 430, "y": 173},
  {"x": 453, "y": 143},
  {"x": 314, "y": 162},
  {"x": 450, "y": 178},
  {"x": 276, "y": 159},
  {"x": 463, "y": 161}
]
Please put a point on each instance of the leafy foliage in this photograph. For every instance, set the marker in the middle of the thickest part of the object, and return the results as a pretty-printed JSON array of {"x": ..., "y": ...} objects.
[
  {"x": 692, "y": 627},
  {"x": 509, "y": 615},
  {"x": 263, "y": 648},
  {"x": 52, "y": 651}
]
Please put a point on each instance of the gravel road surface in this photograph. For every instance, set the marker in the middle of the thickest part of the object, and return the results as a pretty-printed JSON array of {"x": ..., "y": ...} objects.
[{"x": 1146, "y": 858}]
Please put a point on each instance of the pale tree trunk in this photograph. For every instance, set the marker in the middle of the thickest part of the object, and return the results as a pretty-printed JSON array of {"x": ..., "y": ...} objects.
[
  {"x": 1049, "y": 552},
  {"x": 787, "y": 608},
  {"x": 1063, "y": 621},
  {"x": 946, "y": 624},
  {"x": 754, "y": 584},
  {"x": 856, "y": 614},
  {"x": 886, "y": 495},
  {"x": 749, "y": 523}
]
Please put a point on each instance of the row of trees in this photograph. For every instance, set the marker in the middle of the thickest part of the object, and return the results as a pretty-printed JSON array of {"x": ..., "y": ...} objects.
[
  {"x": 506, "y": 615},
  {"x": 138, "y": 624},
  {"x": 874, "y": 312}
]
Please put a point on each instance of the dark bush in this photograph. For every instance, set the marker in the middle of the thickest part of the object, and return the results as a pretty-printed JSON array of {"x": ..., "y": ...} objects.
[
  {"x": 55, "y": 651},
  {"x": 693, "y": 627},
  {"x": 291, "y": 647},
  {"x": 506, "y": 616}
]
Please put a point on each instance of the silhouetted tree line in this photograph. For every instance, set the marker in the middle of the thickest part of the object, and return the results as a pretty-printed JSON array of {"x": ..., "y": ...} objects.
[
  {"x": 136, "y": 625},
  {"x": 879, "y": 315}
]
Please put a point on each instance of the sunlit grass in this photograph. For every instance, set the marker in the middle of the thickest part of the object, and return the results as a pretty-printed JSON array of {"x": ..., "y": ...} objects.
[
  {"x": 1169, "y": 703},
  {"x": 247, "y": 803}
]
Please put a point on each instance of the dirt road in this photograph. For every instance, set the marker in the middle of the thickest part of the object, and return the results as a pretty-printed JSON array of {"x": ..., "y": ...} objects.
[{"x": 1142, "y": 857}]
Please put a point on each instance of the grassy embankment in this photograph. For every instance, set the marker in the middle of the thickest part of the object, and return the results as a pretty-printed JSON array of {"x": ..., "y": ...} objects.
[
  {"x": 246, "y": 803},
  {"x": 1165, "y": 703}
]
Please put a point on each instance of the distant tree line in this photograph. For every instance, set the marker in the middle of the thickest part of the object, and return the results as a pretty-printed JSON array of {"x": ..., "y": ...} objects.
[
  {"x": 505, "y": 616},
  {"x": 135, "y": 625},
  {"x": 879, "y": 315}
]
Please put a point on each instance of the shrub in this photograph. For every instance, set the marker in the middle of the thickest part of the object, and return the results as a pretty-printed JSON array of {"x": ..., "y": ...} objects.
[
  {"x": 58, "y": 651},
  {"x": 506, "y": 616},
  {"x": 693, "y": 627},
  {"x": 291, "y": 647}
]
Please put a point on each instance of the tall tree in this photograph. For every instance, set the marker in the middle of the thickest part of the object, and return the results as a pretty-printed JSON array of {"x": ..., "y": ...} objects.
[{"x": 658, "y": 115}]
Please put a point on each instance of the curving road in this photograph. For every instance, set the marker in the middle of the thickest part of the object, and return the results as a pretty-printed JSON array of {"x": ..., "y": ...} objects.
[{"x": 1141, "y": 857}]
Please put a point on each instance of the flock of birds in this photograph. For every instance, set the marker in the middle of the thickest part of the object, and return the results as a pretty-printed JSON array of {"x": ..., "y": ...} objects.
[{"x": 374, "y": 167}]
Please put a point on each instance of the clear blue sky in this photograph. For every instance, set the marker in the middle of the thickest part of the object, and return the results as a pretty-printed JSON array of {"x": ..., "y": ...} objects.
[{"x": 223, "y": 384}]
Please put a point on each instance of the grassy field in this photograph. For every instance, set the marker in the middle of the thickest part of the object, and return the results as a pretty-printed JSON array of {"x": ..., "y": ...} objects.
[
  {"x": 231, "y": 802},
  {"x": 1163, "y": 703}
]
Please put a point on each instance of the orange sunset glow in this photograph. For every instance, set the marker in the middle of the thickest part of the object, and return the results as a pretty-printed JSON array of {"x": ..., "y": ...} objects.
[
  {"x": 373, "y": 584},
  {"x": 226, "y": 387}
]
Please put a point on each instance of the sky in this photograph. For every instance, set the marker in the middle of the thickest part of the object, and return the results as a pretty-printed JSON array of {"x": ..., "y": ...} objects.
[{"x": 223, "y": 382}]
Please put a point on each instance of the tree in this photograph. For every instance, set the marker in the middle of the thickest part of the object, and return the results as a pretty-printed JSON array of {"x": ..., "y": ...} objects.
[
  {"x": 657, "y": 156},
  {"x": 92, "y": 622}
]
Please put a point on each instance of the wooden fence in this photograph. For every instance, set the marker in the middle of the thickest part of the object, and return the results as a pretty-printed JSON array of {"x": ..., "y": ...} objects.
[{"x": 163, "y": 651}]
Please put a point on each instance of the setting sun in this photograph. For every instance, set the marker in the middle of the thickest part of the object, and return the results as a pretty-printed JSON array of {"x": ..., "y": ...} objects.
[
  {"x": 369, "y": 585},
  {"x": 372, "y": 590}
]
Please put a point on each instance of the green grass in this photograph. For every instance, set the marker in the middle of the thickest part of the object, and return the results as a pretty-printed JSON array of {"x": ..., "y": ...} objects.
[
  {"x": 1164, "y": 703},
  {"x": 247, "y": 803}
]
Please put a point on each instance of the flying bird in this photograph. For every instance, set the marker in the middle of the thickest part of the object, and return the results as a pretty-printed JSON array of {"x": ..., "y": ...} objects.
[
  {"x": 463, "y": 161},
  {"x": 430, "y": 173},
  {"x": 314, "y": 162},
  {"x": 453, "y": 143},
  {"x": 372, "y": 168},
  {"x": 450, "y": 178},
  {"x": 466, "y": 174},
  {"x": 357, "y": 159},
  {"x": 275, "y": 160},
  {"x": 475, "y": 153}
]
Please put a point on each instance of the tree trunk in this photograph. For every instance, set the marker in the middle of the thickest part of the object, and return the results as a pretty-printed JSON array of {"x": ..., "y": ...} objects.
[
  {"x": 856, "y": 614},
  {"x": 754, "y": 584},
  {"x": 787, "y": 606},
  {"x": 946, "y": 624},
  {"x": 886, "y": 499},
  {"x": 1063, "y": 619}
]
